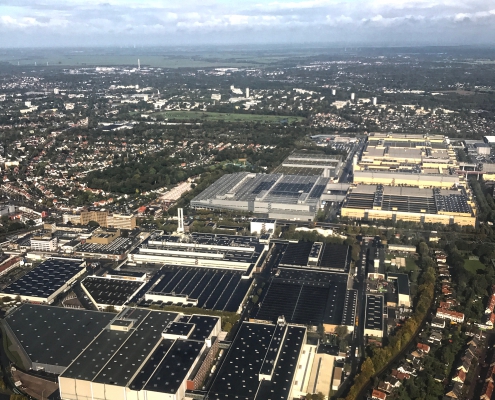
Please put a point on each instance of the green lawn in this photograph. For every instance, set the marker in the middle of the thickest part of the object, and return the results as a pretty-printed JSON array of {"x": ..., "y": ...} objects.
[
  {"x": 474, "y": 265},
  {"x": 411, "y": 264},
  {"x": 227, "y": 117}
]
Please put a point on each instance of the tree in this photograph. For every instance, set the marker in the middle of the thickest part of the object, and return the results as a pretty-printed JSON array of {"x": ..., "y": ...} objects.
[
  {"x": 341, "y": 331},
  {"x": 255, "y": 299}
]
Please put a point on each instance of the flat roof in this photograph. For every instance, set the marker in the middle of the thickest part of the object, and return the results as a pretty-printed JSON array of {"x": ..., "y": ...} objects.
[
  {"x": 402, "y": 282},
  {"x": 55, "y": 335},
  {"x": 115, "y": 292},
  {"x": 45, "y": 279},
  {"x": 118, "y": 246},
  {"x": 140, "y": 357},
  {"x": 304, "y": 297},
  {"x": 408, "y": 199},
  {"x": 215, "y": 289},
  {"x": 238, "y": 376},
  {"x": 174, "y": 367},
  {"x": 333, "y": 257},
  {"x": 374, "y": 312},
  {"x": 109, "y": 344}
]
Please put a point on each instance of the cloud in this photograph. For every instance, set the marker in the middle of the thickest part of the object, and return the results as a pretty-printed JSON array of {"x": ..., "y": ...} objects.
[{"x": 151, "y": 21}]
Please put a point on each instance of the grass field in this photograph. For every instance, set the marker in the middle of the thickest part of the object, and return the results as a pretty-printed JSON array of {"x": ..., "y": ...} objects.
[
  {"x": 227, "y": 117},
  {"x": 474, "y": 265},
  {"x": 411, "y": 264}
]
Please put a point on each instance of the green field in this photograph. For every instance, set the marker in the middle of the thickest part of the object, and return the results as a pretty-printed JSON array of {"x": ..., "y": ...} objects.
[
  {"x": 474, "y": 265},
  {"x": 227, "y": 117}
]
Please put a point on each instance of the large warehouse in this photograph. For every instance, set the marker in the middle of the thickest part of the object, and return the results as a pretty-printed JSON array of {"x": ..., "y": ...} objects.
[
  {"x": 230, "y": 252},
  {"x": 144, "y": 354},
  {"x": 215, "y": 289},
  {"x": 310, "y": 287},
  {"x": 442, "y": 206},
  {"x": 304, "y": 163},
  {"x": 407, "y": 153},
  {"x": 46, "y": 281},
  {"x": 421, "y": 180},
  {"x": 50, "y": 338},
  {"x": 268, "y": 195},
  {"x": 261, "y": 363}
]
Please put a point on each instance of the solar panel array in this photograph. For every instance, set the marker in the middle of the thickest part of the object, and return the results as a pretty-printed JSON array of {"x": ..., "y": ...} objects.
[
  {"x": 214, "y": 289},
  {"x": 304, "y": 297},
  {"x": 45, "y": 279},
  {"x": 115, "y": 292},
  {"x": 296, "y": 254},
  {"x": 374, "y": 312},
  {"x": 331, "y": 256},
  {"x": 117, "y": 246}
]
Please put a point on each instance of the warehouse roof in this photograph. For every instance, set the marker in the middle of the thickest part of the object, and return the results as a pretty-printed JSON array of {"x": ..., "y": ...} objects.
[
  {"x": 402, "y": 282},
  {"x": 238, "y": 376},
  {"x": 45, "y": 279},
  {"x": 115, "y": 292},
  {"x": 55, "y": 335},
  {"x": 374, "y": 312}
]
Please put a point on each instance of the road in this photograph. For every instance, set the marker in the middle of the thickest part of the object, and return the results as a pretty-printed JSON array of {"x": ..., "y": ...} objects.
[{"x": 346, "y": 175}]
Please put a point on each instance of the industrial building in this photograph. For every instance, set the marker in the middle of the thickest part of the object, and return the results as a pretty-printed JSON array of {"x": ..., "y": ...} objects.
[
  {"x": 106, "y": 292},
  {"x": 215, "y": 289},
  {"x": 144, "y": 354},
  {"x": 103, "y": 217},
  {"x": 107, "y": 244},
  {"x": 49, "y": 338},
  {"x": 377, "y": 202},
  {"x": 275, "y": 196},
  {"x": 46, "y": 281},
  {"x": 401, "y": 292},
  {"x": 261, "y": 363},
  {"x": 317, "y": 256},
  {"x": 231, "y": 252},
  {"x": 309, "y": 287},
  {"x": 373, "y": 322},
  {"x": 407, "y": 153},
  {"x": 308, "y": 298},
  {"x": 263, "y": 225},
  {"x": 304, "y": 163},
  {"x": 420, "y": 180}
]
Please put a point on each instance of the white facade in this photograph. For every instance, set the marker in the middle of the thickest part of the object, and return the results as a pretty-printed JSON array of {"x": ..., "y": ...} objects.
[{"x": 44, "y": 244}]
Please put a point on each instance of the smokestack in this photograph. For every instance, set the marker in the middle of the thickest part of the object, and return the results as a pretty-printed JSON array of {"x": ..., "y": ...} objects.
[{"x": 180, "y": 220}]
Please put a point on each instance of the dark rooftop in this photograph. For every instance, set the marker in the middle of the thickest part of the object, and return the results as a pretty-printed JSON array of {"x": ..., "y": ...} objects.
[
  {"x": 55, "y": 335},
  {"x": 374, "y": 312},
  {"x": 115, "y": 292},
  {"x": 45, "y": 279},
  {"x": 238, "y": 376}
]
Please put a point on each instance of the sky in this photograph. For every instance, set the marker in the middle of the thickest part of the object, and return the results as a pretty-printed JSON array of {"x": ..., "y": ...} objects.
[{"x": 47, "y": 23}]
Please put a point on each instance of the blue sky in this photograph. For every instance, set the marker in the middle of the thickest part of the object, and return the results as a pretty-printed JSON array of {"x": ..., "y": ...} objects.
[{"x": 161, "y": 22}]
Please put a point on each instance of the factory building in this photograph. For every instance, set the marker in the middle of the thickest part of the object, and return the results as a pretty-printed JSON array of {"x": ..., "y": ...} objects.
[
  {"x": 144, "y": 354},
  {"x": 377, "y": 202},
  {"x": 407, "y": 153},
  {"x": 49, "y": 338},
  {"x": 201, "y": 250},
  {"x": 304, "y": 163},
  {"x": 275, "y": 196},
  {"x": 419, "y": 180},
  {"x": 261, "y": 363},
  {"x": 45, "y": 282},
  {"x": 373, "y": 323}
]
